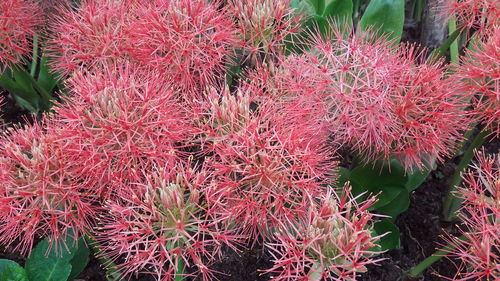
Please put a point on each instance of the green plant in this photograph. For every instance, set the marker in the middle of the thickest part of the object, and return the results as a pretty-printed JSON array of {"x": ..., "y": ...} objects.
[
  {"x": 33, "y": 89},
  {"x": 48, "y": 263},
  {"x": 392, "y": 186}
]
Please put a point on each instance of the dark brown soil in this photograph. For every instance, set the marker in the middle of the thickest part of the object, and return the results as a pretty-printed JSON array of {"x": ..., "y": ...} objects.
[{"x": 420, "y": 228}]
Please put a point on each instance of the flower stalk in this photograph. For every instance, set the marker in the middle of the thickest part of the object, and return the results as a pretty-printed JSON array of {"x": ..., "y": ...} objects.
[{"x": 452, "y": 202}]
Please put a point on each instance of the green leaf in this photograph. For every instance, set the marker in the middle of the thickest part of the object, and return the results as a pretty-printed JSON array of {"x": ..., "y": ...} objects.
[
  {"x": 25, "y": 104},
  {"x": 319, "y": 5},
  {"x": 79, "y": 260},
  {"x": 23, "y": 80},
  {"x": 374, "y": 177},
  {"x": 416, "y": 179},
  {"x": 306, "y": 6},
  {"x": 391, "y": 239},
  {"x": 179, "y": 275},
  {"x": 344, "y": 176},
  {"x": 45, "y": 265},
  {"x": 11, "y": 271},
  {"x": 4, "y": 263},
  {"x": 384, "y": 180},
  {"x": 296, "y": 43},
  {"x": 24, "y": 95},
  {"x": 386, "y": 16},
  {"x": 385, "y": 195},
  {"x": 46, "y": 79},
  {"x": 396, "y": 206},
  {"x": 338, "y": 10}
]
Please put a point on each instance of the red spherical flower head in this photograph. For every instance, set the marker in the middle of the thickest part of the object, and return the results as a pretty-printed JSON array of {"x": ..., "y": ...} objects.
[
  {"x": 480, "y": 75},
  {"x": 43, "y": 190},
  {"x": 267, "y": 169},
  {"x": 478, "y": 250},
  {"x": 18, "y": 24},
  {"x": 348, "y": 81},
  {"x": 478, "y": 14},
  {"x": 189, "y": 41},
  {"x": 265, "y": 26},
  {"x": 162, "y": 224},
  {"x": 90, "y": 35},
  {"x": 126, "y": 118},
  {"x": 334, "y": 242},
  {"x": 430, "y": 112}
]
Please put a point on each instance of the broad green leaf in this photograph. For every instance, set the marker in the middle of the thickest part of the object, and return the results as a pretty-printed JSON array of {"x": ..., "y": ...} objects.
[
  {"x": 385, "y": 195},
  {"x": 344, "y": 176},
  {"x": 306, "y": 6},
  {"x": 45, "y": 265},
  {"x": 319, "y": 5},
  {"x": 391, "y": 238},
  {"x": 12, "y": 272},
  {"x": 374, "y": 177},
  {"x": 338, "y": 10},
  {"x": 416, "y": 179},
  {"x": 386, "y": 16},
  {"x": 396, "y": 206},
  {"x": 179, "y": 276},
  {"x": 79, "y": 260},
  {"x": 384, "y": 180},
  {"x": 5, "y": 262}
]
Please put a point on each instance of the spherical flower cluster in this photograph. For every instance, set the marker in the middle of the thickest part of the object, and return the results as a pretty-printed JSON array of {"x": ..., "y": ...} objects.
[
  {"x": 478, "y": 14},
  {"x": 265, "y": 26},
  {"x": 378, "y": 100},
  {"x": 90, "y": 36},
  {"x": 334, "y": 241},
  {"x": 126, "y": 119},
  {"x": 18, "y": 24},
  {"x": 479, "y": 248},
  {"x": 189, "y": 41},
  {"x": 430, "y": 113},
  {"x": 163, "y": 223},
  {"x": 43, "y": 193},
  {"x": 480, "y": 76},
  {"x": 267, "y": 170}
]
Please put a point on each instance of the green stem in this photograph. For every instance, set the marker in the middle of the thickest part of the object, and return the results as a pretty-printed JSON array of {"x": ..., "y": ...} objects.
[
  {"x": 419, "y": 8},
  {"x": 417, "y": 270},
  {"x": 35, "y": 56},
  {"x": 452, "y": 27},
  {"x": 423, "y": 265},
  {"x": 179, "y": 275},
  {"x": 452, "y": 203},
  {"x": 439, "y": 52}
]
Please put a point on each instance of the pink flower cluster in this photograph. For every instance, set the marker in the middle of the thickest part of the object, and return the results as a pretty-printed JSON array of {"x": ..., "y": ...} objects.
[
  {"x": 379, "y": 100},
  {"x": 187, "y": 41},
  {"x": 18, "y": 24},
  {"x": 327, "y": 242},
  {"x": 265, "y": 27},
  {"x": 478, "y": 248},
  {"x": 477, "y": 14},
  {"x": 480, "y": 74}
]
